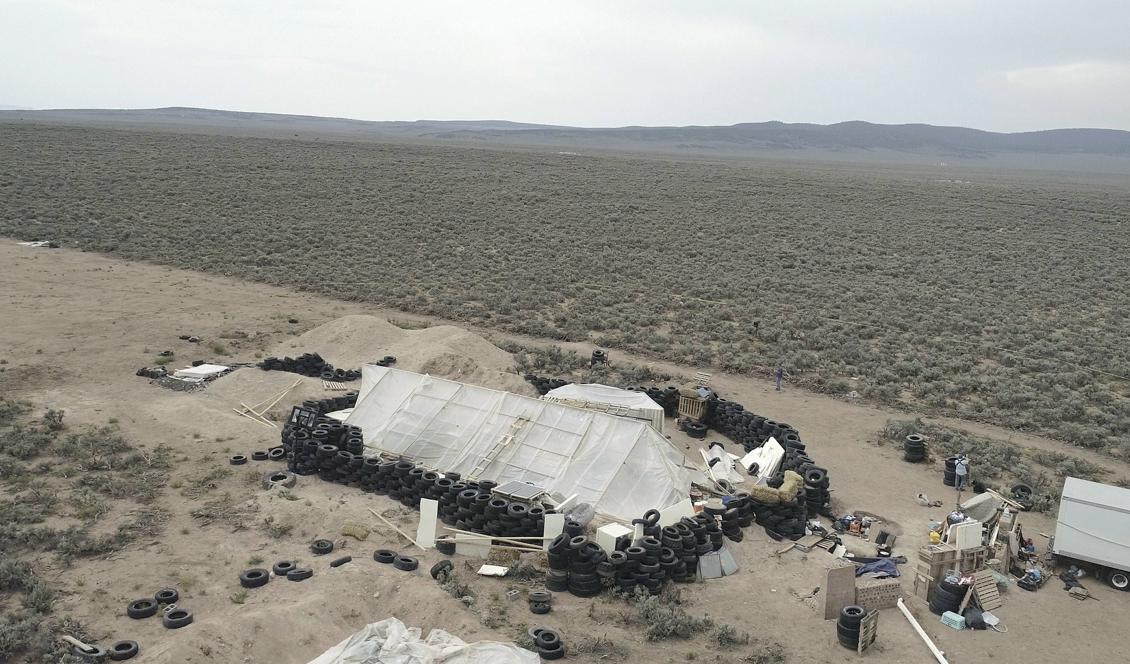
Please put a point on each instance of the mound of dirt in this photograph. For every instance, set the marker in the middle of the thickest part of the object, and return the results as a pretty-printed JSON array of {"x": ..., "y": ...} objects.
[{"x": 444, "y": 350}]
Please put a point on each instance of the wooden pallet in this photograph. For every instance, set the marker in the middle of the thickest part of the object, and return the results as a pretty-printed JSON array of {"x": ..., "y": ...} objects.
[
  {"x": 985, "y": 591},
  {"x": 868, "y": 630},
  {"x": 335, "y": 385}
]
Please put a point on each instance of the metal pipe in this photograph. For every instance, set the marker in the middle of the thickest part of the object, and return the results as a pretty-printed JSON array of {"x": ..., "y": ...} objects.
[{"x": 938, "y": 655}]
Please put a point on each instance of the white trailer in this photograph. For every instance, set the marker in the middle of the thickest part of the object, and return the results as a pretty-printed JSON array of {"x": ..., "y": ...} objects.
[{"x": 1093, "y": 526}]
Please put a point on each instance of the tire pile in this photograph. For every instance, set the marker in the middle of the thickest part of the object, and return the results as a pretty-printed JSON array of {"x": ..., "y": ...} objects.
[
  {"x": 470, "y": 506},
  {"x": 751, "y": 431},
  {"x": 573, "y": 561},
  {"x": 333, "y": 451},
  {"x": 781, "y": 519},
  {"x": 847, "y": 626},
  {"x": 946, "y": 597},
  {"x": 312, "y": 364},
  {"x": 745, "y": 428},
  {"x": 914, "y": 448},
  {"x": 949, "y": 475},
  {"x": 667, "y": 397},
  {"x": 544, "y": 385}
]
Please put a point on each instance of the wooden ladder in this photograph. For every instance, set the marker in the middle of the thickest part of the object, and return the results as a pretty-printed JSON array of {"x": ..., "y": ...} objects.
[{"x": 502, "y": 443}]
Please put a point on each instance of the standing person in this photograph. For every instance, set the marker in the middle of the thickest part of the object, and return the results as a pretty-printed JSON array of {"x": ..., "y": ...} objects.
[
  {"x": 780, "y": 374},
  {"x": 961, "y": 472}
]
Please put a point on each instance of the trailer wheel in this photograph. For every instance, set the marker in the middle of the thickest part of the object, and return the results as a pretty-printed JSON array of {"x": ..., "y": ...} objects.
[{"x": 1118, "y": 580}]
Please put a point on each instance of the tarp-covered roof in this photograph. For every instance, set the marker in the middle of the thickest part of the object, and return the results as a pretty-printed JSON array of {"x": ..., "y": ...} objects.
[
  {"x": 612, "y": 400},
  {"x": 620, "y": 466}
]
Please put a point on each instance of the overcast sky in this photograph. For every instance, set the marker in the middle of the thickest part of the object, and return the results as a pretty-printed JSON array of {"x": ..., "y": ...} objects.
[{"x": 1005, "y": 65}]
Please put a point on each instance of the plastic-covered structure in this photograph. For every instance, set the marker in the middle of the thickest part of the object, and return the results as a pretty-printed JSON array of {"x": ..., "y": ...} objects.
[
  {"x": 622, "y": 467},
  {"x": 611, "y": 400},
  {"x": 392, "y": 642}
]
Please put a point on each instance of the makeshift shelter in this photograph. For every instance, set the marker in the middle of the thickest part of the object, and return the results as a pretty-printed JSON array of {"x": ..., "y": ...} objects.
[
  {"x": 611, "y": 400},
  {"x": 622, "y": 467}
]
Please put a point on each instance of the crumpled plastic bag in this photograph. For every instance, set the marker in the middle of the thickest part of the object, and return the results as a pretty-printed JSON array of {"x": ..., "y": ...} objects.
[{"x": 392, "y": 642}]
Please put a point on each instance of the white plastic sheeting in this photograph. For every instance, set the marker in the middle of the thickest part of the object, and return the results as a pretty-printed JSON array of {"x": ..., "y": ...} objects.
[
  {"x": 392, "y": 642},
  {"x": 622, "y": 467},
  {"x": 611, "y": 400}
]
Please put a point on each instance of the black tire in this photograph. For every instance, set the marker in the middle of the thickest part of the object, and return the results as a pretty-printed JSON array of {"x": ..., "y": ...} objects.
[
  {"x": 1022, "y": 491},
  {"x": 276, "y": 453},
  {"x": 299, "y": 574},
  {"x": 543, "y": 596},
  {"x": 176, "y": 618},
  {"x": 283, "y": 567},
  {"x": 848, "y": 643},
  {"x": 120, "y": 651},
  {"x": 166, "y": 596},
  {"x": 540, "y": 608},
  {"x": 1118, "y": 580},
  {"x": 696, "y": 430},
  {"x": 260, "y": 455},
  {"x": 952, "y": 588},
  {"x": 556, "y": 653},
  {"x": 384, "y": 556},
  {"x": 846, "y": 632},
  {"x": 548, "y": 639},
  {"x": 405, "y": 563},
  {"x": 238, "y": 460},
  {"x": 850, "y": 616},
  {"x": 253, "y": 578},
  {"x": 142, "y": 608},
  {"x": 945, "y": 598},
  {"x": 96, "y": 653},
  {"x": 341, "y": 561},
  {"x": 441, "y": 567},
  {"x": 652, "y": 516},
  {"x": 282, "y": 478},
  {"x": 321, "y": 547}
]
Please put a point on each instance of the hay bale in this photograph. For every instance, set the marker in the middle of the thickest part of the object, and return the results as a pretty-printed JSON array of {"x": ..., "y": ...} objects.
[
  {"x": 793, "y": 482},
  {"x": 765, "y": 495}
]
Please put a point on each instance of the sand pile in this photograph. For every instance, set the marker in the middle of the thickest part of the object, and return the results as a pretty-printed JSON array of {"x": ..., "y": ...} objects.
[{"x": 445, "y": 350}]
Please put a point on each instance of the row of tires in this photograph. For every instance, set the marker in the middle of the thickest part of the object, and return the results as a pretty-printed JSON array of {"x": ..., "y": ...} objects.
[
  {"x": 334, "y": 452},
  {"x": 309, "y": 364}
]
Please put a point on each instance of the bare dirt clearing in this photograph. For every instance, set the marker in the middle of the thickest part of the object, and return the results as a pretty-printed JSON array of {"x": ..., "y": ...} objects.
[{"x": 75, "y": 326}]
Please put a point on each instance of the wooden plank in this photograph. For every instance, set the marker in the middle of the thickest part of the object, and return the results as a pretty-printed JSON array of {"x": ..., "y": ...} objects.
[
  {"x": 965, "y": 601},
  {"x": 985, "y": 590},
  {"x": 868, "y": 631},
  {"x": 841, "y": 591}
]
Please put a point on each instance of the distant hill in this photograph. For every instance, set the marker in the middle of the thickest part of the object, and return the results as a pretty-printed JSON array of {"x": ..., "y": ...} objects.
[{"x": 1103, "y": 149}]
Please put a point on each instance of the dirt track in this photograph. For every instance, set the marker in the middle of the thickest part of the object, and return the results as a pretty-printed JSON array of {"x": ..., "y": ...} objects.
[{"x": 76, "y": 326}]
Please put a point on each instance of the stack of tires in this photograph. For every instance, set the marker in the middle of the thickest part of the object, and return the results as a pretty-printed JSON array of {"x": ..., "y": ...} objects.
[
  {"x": 743, "y": 427},
  {"x": 544, "y": 385},
  {"x": 946, "y": 597},
  {"x": 598, "y": 357},
  {"x": 738, "y": 513},
  {"x": 573, "y": 561},
  {"x": 333, "y": 451},
  {"x": 667, "y": 397},
  {"x": 847, "y": 626},
  {"x": 815, "y": 489},
  {"x": 914, "y": 448},
  {"x": 949, "y": 475},
  {"x": 311, "y": 364},
  {"x": 782, "y": 520}
]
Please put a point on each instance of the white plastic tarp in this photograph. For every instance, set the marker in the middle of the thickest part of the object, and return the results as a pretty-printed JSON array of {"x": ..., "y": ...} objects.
[
  {"x": 392, "y": 642},
  {"x": 622, "y": 467},
  {"x": 612, "y": 400},
  {"x": 200, "y": 371}
]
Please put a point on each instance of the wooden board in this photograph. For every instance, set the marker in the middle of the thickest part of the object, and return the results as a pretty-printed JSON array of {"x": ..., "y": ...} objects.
[
  {"x": 985, "y": 591},
  {"x": 965, "y": 601},
  {"x": 841, "y": 591},
  {"x": 868, "y": 630}
]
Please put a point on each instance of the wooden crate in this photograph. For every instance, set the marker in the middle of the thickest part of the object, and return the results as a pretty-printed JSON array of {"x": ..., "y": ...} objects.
[{"x": 692, "y": 408}]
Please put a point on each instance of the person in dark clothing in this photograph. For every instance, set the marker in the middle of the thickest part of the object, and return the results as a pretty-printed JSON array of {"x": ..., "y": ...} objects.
[{"x": 780, "y": 374}]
